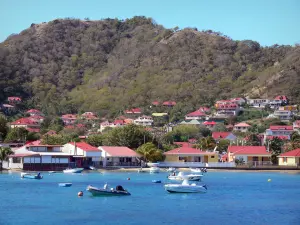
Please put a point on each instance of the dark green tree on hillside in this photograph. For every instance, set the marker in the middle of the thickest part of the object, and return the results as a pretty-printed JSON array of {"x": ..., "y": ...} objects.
[
  {"x": 150, "y": 153},
  {"x": 275, "y": 147},
  {"x": 3, "y": 128},
  {"x": 18, "y": 134},
  {"x": 253, "y": 140}
]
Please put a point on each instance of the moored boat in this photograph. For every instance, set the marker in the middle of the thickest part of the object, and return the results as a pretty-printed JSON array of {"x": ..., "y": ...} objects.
[
  {"x": 171, "y": 169},
  {"x": 180, "y": 176},
  {"x": 198, "y": 170},
  {"x": 73, "y": 170},
  {"x": 185, "y": 187},
  {"x": 37, "y": 176},
  {"x": 65, "y": 184},
  {"x": 154, "y": 170},
  {"x": 156, "y": 181},
  {"x": 105, "y": 191}
]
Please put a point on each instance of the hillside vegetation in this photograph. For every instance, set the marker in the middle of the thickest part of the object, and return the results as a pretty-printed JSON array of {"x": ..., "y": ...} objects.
[{"x": 69, "y": 65}]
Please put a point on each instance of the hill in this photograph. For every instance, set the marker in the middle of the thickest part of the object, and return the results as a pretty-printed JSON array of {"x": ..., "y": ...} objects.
[{"x": 70, "y": 65}]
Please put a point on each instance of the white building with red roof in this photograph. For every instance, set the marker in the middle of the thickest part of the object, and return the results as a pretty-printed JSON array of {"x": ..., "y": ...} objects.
[
  {"x": 69, "y": 119},
  {"x": 241, "y": 127},
  {"x": 115, "y": 123},
  {"x": 83, "y": 154},
  {"x": 282, "y": 132},
  {"x": 169, "y": 103},
  {"x": 27, "y": 123},
  {"x": 119, "y": 156},
  {"x": 291, "y": 158},
  {"x": 89, "y": 116},
  {"x": 239, "y": 101},
  {"x": 258, "y": 103},
  {"x": 34, "y": 112},
  {"x": 209, "y": 124},
  {"x": 254, "y": 155},
  {"x": 35, "y": 156},
  {"x": 196, "y": 115},
  {"x": 14, "y": 99},
  {"x": 227, "y": 108},
  {"x": 278, "y": 101},
  {"x": 133, "y": 111}
]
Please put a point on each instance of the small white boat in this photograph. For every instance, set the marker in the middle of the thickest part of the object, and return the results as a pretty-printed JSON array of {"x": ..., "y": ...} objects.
[
  {"x": 185, "y": 187},
  {"x": 73, "y": 170},
  {"x": 181, "y": 176},
  {"x": 65, "y": 184},
  {"x": 92, "y": 168},
  {"x": 105, "y": 191},
  {"x": 36, "y": 176},
  {"x": 198, "y": 170},
  {"x": 154, "y": 170},
  {"x": 171, "y": 169}
]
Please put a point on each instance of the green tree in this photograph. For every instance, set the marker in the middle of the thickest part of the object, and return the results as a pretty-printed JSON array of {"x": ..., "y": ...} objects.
[
  {"x": 253, "y": 140},
  {"x": 223, "y": 145},
  {"x": 95, "y": 140},
  {"x": 204, "y": 131},
  {"x": 207, "y": 143},
  {"x": 4, "y": 153},
  {"x": 59, "y": 139},
  {"x": 131, "y": 136},
  {"x": 275, "y": 146},
  {"x": 18, "y": 134},
  {"x": 150, "y": 153},
  {"x": 219, "y": 127},
  {"x": 3, "y": 127}
]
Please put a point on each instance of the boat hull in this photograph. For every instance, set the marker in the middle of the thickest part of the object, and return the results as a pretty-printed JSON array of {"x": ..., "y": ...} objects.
[
  {"x": 190, "y": 178},
  {"x": 65, "y": 184},
  {"x": 31, "y": 176},
  {"x": 185, "y": 189},
  {"x": 75, "y": 170},
  {"x": 104, "y": 192}
]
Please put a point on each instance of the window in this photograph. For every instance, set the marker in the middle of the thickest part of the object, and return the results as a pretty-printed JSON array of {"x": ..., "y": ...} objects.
[
  {"x": 16, "y": 160},
  {"x": 212, "y": 157},
  {"x": 284, "y": 159}
]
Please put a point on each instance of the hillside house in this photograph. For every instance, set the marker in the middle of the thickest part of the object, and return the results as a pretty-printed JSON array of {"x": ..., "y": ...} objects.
[
  {"x": 209, "y": 124},
  {"x": 119, "y": 156},
  {"x": 27, "y": 123},
  {"x": 284, "y": 115},
  {"x": 89, "y": 116},
  {"x": 13, "y": 100},
  {"x": 69, "y": 119},
  {"x": 34, "y": 112},
  {"x": 258, "y": 103},
  {"x": 223, "y": 135},
  {"x": 115, "y": 123},
  {"x": 227, "y": 108},
  {"x": 278, "y": 101},
  {"x": 282, "y": 132},
  {"x": 242, "y": 127},
  {"x": 204, "y": 109},
  {"x": 144, "y": 121},
  {"x": 169, "y": 103},
  {"x": 196, "y": 115},
  {"x": 133, "y": 111},
  {"x": 238, "y": 101}
]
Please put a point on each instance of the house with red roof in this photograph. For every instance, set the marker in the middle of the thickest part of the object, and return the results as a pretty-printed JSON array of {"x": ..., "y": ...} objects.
[
  {"x": 280, "y": 131},
  {"x": 115, "y": 123},
  {"x": 186, "y": 153},
  {"x": 156, "y": 103},
  {"x": 144, "y": 121},
  {"x": 119, "y": 156},
  {"x": 291, "y": 158},
  {"x": 27, "y": 123},
  {"x": 224, "y": 135},
  {"x": 169, "y": 103},
  {"x": 258, "y": 103},
  {"x": 204, "y": 109},
  {"x": 296, "y": 125},
  {"x": 37, "y": 118},
  {"x": 35, "y": 156},
  {"x": 241, "y": 127},
  {"x": 133, "y": 111},
  {"x": 83, "y": 154},
  {"x": 69, "y": 119},
  {"x": 34, "y": 112},
  {"x": 239, "y": 101},
  {"x": 89, "y": 116},
  {"x": 227, "y": 108},
  {"x": 196, "y": 115},
  {"x": 209, "y": 124},
  {"x": 51, "y": 132},
  {"x": 278, "y": 101},
  {"x": 13, "y": 99},
  {"x": 254, "y": 155}
]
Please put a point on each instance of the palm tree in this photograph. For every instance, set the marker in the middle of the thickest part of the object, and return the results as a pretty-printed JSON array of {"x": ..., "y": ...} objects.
[
  {"x": 4, "y": 153},
  {"x": 207, "y": 143},
  {"x": 150, "y": 153}
]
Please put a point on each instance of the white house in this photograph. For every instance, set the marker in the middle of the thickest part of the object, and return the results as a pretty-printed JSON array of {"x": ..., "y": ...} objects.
[
  {"x": 83, "y": 154},
  {"x": 197, "y": 115},
  {"x": 283, "y": 114},
  {"x": 258, "y": 103},
  {"x": 227, "y": 108},
  {"x": 35, "y": 156},
  {"x": 242, "y": 127},
  {"x": 119, "y": 156},
  {"x": 144, "y": 121},
  {"x": 282, "y": 132}
]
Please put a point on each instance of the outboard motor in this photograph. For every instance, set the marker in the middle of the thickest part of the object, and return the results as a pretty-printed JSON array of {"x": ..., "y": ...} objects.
[{"x": 120, "y": 188}]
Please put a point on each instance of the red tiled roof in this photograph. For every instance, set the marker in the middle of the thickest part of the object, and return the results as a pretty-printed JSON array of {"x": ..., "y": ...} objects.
[
  {"x": 220, "y": 135},
  {"x": 24, "y": 121},
  {"x": 80, "y": 125},
  {"x": 69, "y": 127},
  {"x": 155, "y": 103},
  {"x": 242, "y": 125},
  {"x": 36, "y": 117},
  {"x": 169, "y": 103},
  {"x": 51, "y": 132},
  {"x": 187, "y": 151},
  {"x": 120, "y": 122},
  {"x": 135, "y": 110},
  {"x": 203, "y": 109},
  {"x": 270, "y": 137},
  {"x": 14, "y": 98},
  {"x": 86, "y": 147},
  {"x": 36, "y": 130},
  {"x": 196, "y": 113},
  {"x": 69, "y": 116},
  {"x": 281, "y": 127},
  {"x": 224, "y": 157},
  {"x": 34, "y": 111},
  {"x": 248, "y": 150},
  {"x": 23, "y": 155},
  {"x": 293, "y": 153},
  {"x": 209, "y": 123},
  {"x": 119, "y": 151},
  {"x": 281, "y": 97}
]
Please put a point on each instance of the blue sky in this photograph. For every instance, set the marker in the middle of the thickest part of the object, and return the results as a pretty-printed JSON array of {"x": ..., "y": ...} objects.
[{"x": 266, "y": 21}]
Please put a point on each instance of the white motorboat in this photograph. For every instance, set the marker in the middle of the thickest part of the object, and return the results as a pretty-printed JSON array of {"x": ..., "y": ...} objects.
[
  {"x": 154, "y": 170},
  {"x": 171, "y": 169},
  {"x": 181, "y": 176},
  {"x": 198, "y": 170},
  {"x": 185, "y": 187},
  {"x": 73, "y": 170}
]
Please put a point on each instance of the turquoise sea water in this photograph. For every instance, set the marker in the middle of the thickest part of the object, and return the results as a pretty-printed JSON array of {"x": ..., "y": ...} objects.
[{"x": 232, "y": 198}]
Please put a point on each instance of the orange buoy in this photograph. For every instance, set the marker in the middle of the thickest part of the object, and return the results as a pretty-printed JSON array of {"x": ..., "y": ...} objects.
[{"x": 80, "y": 193}]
